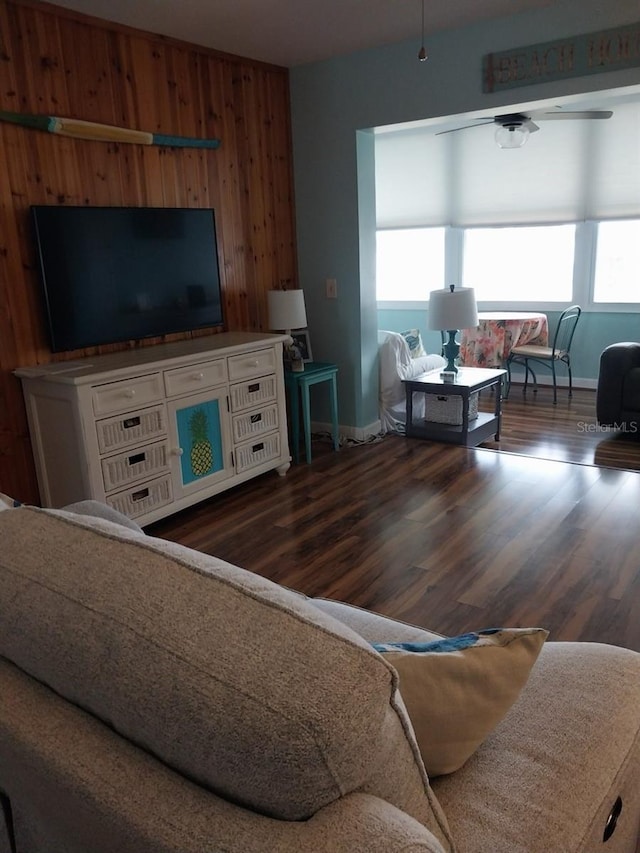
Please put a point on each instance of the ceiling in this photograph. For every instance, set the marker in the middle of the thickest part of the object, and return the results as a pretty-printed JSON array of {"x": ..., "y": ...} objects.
[{"x": 295, "y": 32}]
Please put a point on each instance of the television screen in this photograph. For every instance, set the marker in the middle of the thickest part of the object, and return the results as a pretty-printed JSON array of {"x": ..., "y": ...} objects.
[{"x": 125, "y": 273}]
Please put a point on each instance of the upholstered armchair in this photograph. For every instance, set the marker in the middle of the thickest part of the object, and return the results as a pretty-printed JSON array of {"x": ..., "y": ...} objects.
[{"x": 618, "y": 396}]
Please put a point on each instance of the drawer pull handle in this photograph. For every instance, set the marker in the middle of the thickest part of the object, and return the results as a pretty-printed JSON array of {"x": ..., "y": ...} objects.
[
  {"x": 253, "y": 388},
  {"x": 137, "y": 458},
  {"x": 257, "y": 447},
  {"x": 198, "y": 377},
  {"x": 130, "y": 393},
  {"x": 131, "y": 422},
  {"x": 140, "y": 496}
]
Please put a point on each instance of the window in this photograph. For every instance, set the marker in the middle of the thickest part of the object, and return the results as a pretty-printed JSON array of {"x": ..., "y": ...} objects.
[
  {"x": 409, "y": 263},
  {"x": 617, "y": 264},
  {"x": 525, "y": 264}
]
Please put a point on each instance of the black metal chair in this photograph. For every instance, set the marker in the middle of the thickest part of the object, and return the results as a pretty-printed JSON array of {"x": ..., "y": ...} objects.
[{"x": 558, "y": 353}]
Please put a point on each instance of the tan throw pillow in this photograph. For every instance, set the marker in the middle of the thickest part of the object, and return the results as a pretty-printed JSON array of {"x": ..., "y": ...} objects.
[{"x": 457, "y": 690}]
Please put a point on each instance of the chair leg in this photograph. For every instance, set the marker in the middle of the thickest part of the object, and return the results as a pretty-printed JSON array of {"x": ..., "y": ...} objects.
[
  {"x": 526, "y": 376},
  {"x": 555, "y": 389},
  {"x": 570, "y": 380},
  {"x": 505, "y": 396}
]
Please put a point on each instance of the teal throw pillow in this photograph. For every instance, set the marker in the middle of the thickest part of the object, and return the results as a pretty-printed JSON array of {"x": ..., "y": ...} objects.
[{"x": 414, "y": 342}]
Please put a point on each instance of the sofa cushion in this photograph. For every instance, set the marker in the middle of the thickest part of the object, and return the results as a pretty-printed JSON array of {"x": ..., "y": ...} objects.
[
  {"x": 239, "y": 684},
  {"x": 547, "y": 777},
  {"x": 457, "y": 690}
]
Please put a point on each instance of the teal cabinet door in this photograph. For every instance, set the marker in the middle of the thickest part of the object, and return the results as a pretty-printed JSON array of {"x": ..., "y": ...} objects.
[{"x": 200, "y": 441}]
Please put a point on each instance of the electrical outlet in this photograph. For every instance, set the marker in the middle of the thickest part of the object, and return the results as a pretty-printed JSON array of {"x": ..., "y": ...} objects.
[{"x": 332, "y": 288}]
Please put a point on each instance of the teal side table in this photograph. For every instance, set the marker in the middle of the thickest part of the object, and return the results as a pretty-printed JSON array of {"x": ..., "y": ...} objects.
[{"x": 298, "y": 385}]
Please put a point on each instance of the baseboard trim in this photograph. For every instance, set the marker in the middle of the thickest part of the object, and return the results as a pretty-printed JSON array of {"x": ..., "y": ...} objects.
[
  {"x": 561, "y": 381},
  {"x": 357, "y": 434}
]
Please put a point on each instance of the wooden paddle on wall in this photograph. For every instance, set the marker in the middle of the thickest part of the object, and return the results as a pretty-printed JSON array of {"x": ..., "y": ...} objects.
[{"x": 79, "y": 129}]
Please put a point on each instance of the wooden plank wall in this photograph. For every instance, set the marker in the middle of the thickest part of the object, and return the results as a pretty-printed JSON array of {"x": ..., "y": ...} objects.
[{"x": 56, "y": 62}]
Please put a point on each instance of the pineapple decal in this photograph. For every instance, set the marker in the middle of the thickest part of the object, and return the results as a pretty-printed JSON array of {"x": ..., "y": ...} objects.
[{"x": 201, "y": 454}]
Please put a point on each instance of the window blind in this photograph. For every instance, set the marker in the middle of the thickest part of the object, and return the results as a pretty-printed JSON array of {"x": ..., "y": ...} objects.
[{"x": 567, "y": 171}]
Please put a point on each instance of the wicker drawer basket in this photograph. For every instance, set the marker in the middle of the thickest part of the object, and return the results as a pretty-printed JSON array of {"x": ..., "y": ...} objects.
[
  {"x": 143, "y": 498},
  {"x": 447, "y": 409}
]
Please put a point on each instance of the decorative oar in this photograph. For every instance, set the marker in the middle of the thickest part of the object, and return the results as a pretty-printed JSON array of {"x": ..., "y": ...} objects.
[{"x": 79, "y": 129}]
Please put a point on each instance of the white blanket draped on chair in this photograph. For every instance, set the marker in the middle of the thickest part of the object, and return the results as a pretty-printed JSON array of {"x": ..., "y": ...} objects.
[{"x": 396, "y": 364}]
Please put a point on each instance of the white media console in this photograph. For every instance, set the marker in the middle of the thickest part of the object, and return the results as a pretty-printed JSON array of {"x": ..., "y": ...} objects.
[{"x": 153, "y": 430}]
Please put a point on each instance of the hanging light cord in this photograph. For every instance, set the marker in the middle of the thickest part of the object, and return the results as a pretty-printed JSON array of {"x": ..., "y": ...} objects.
[{"x": 422, "y": 53}]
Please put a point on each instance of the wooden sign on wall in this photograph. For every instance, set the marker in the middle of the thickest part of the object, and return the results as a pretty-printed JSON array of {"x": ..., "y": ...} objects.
[{"x": 576, "y": 56}]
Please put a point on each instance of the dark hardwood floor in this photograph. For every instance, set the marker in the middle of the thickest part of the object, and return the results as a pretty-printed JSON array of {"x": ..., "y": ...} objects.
[
  {"x": 568, "y": 431},
  {"x": 450, "y": 538}
]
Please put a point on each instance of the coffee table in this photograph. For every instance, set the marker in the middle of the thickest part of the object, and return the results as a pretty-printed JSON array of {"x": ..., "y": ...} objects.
[{"x": 468, "y": 381}]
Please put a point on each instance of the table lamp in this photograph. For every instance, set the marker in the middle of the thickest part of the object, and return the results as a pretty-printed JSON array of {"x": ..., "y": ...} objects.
[
  {"x": 452, "y": 309},
  {"x": 287, "y": 312}
]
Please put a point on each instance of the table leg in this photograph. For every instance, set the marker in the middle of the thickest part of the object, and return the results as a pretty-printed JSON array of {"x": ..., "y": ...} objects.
[
  {"x": 409, "y": 410},
  {"x": 295, "y": 420},
  {"x": 306, "y": 421},
  {"x": 334, "y": 413},
  {"x": 466, "y": 397},
  {"x": 498, "y": 407}
]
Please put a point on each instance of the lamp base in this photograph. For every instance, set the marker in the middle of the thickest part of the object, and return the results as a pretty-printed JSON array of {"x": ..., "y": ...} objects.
[{"x": 451, "y": 351}]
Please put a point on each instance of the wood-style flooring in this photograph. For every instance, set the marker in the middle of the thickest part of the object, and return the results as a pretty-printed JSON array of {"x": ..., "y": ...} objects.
[
  {"x": 451, "y": 538},
  {"x": 568, "y": 431}
]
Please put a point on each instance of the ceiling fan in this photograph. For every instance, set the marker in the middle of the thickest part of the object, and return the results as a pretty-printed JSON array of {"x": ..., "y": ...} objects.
[{"x": 514, "y": 128}]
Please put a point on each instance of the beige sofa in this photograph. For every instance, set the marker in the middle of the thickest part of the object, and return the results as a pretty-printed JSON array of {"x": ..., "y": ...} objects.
[{"x": 156, "y": 699}]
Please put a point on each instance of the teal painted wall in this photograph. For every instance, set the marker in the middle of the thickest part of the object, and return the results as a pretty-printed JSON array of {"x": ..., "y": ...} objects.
[
  {"x": 593, "y": 334},
  {"x": 335, "y": 209}
]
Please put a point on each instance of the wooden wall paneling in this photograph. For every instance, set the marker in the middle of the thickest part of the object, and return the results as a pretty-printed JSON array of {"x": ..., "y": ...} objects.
[
  {"x": 91, "y": 87},
  {"x": 17, "y": 475},
  {"x": 231, "y": 192},
  {"x": 123, "y": 74},
  {"x": 46, "y": 66},
  {"x": 87, "y": 62},
  {"x": 238, "y": 102},
  {"x": 26, "y": 327},
  {"x": 257, "y": 211},
  {"x": 132, "y": 114},
  {"x": 58, "y": 62},
  {"x": 282, "y": 182},
  {"x": 265, "y": 165}
]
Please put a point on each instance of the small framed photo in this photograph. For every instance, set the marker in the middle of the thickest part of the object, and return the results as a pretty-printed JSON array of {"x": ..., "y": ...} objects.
[{"x": 302, "y": 342}]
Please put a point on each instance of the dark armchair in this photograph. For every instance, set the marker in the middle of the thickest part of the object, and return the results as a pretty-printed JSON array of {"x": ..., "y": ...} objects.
[{"x": 618, "y": 396}]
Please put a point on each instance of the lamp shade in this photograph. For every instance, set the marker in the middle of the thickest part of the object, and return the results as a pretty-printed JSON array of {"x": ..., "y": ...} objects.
[
  {"x": 453, "y": 308},
  {"x": 286, "y": 310}
]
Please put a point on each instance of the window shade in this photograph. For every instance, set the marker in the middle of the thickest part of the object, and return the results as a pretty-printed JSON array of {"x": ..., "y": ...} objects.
[{"x": 567, "y": 171}]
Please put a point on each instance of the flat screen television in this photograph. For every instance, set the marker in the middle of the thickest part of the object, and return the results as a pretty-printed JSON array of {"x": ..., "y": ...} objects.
[{"x": 114, "y": 274}]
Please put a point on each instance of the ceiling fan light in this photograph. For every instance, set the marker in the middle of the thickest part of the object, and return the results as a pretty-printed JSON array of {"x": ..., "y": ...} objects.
[{"x": 511, "y": 136}]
